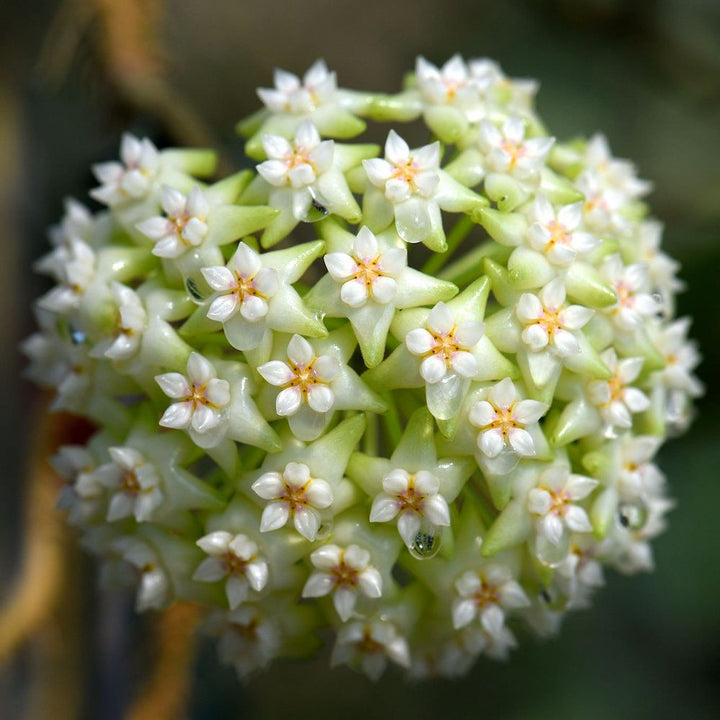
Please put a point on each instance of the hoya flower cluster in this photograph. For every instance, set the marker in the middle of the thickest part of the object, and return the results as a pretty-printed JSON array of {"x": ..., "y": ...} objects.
[{"x": 413, "y": 394}]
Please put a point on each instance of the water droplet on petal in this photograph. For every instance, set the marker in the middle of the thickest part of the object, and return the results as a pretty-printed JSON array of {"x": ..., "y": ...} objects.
[
  {"x": 317, "y": 210},
  {"x": 632, "y": 515},
  {"x": 77, "y": 337},
  {"x": 427, "y": 542}
]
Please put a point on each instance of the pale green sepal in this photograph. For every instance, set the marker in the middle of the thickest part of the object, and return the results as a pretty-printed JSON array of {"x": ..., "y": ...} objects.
[
  {"x": 500, "y": 486},
  {"x": 294, "y": 261},
  {"x": 506, "y": 228},
  {"x": 506, "y": 192},
  {"x": 541, "y": 371},
  {"x": 371, "y": 324},
  {"x": 400, "y": 369},
  {"x": 448, "y": 123},
  {"x": 368, "y": 472},
  {"x": 584, "y": 285},
  {"x": 453, "y": 196},
  {"x": 587, "y": 362},
  {"x": 350, "y": 156},
  {"x": 196, "y": 162},
  {"x": 377, "y": 211},
  {"x": 334, "y": 194},
  {"x": 603, "y": 512},
  {"x": 505, "y": 293},
  {"x": 199, "y": 324},
  {"x": 557, "y": 189},
  {"x": 638, "y": 344},
  {"x": 402, "y": 107},
  {"x": 231, "y": 222},
  {"x": 578, "y": 419},
  {"x": 287, "y": 313},
  {"x": 529, "y": 269},
  {"x": 225, "y": 455},
  {"x": 492, "y": 364},
  {"x": 227, "y": 191},
  {"x": 511, "y": 528},
  {"x": 467, "y": 168},
  {"x": 654, "y": 420},
  {"x": 416, "y": 449},
  {"x": 250, "y": 125},
  {"x": 416, "y": 288},
  {"x": 599, "y": 332},
  {"x": 256, "y": 192},
  {"x": 503, "y": 329}
]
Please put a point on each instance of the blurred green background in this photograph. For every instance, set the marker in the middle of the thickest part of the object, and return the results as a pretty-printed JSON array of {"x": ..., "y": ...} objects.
[{"x": 646, "y": 73}]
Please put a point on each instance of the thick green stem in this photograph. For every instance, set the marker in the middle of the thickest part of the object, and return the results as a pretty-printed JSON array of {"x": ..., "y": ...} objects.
[
  {"x": 468, "y": 267},
  {"x": 370, "y": 439},
  {"x": 458, "y": 233},
  {"x": 391, "y": 421}
]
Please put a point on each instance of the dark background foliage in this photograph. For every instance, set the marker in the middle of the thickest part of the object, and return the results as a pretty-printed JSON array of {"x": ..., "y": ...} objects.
[{"x": 647, "y": 73}]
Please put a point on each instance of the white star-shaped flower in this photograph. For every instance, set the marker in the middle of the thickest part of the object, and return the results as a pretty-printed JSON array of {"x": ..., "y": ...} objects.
[
  {"x": 248, "y": 638},
  {"x": 615, "y": 398},
  {"x": 236, "y": 557},
  {"x": 74, "y": 277},
  {"x": 130, "y": 179},
  {"x": 401, "y": 175},
  {"x": 83, "y": 495},
  {"x": 502, "y": 420},
  {"x": 450, "y": 85},
  {"x": 293, "y": 96},
  {"x": 201, "y": 398},
  {"x": 297, "y": 165},
  {"x": 635, "y": 305},
  {"x": 305, "y": 379},
  {"x": 293, "y": 493},
  {"x": 550, "y": 324},
  {"x": 445, "y": 346},
  {"x": 484, "y": 594},
  {"x": 614, "y": 172},
  {"x": 184, "y": 225},
  {"x": 602, "y": 208},
  {"x": 136, "y": 484},
  {"x": 553, "y": 503},
  {"x": 554, "y": 233},
  {"x": 154, "y": 589},
  {"x": 366, "y": 274},
  {"x": 369, "y": 645},
  {"x": 580, "y": 573},
  {"x": 413, "y": 499},
  {"x": 507, "y": 152},
  {"x": 243, "y": 286},
  {"x": 344, "y": 572}
]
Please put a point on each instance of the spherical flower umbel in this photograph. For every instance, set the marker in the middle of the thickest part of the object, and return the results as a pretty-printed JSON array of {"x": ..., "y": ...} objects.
[{"x": 408, "y": 399}]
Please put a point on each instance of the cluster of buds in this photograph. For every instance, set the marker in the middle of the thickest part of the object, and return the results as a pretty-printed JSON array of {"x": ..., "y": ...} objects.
[{"x": 412, "y": 394}]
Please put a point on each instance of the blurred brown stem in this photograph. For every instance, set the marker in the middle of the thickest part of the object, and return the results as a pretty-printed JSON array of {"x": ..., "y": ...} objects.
[
  {"x": 167, "y": 691},
  {"x": 132, "y": 57}
]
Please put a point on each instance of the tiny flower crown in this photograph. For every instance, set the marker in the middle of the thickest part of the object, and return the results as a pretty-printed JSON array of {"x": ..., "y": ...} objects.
[{"x": 413, "y": 394}]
